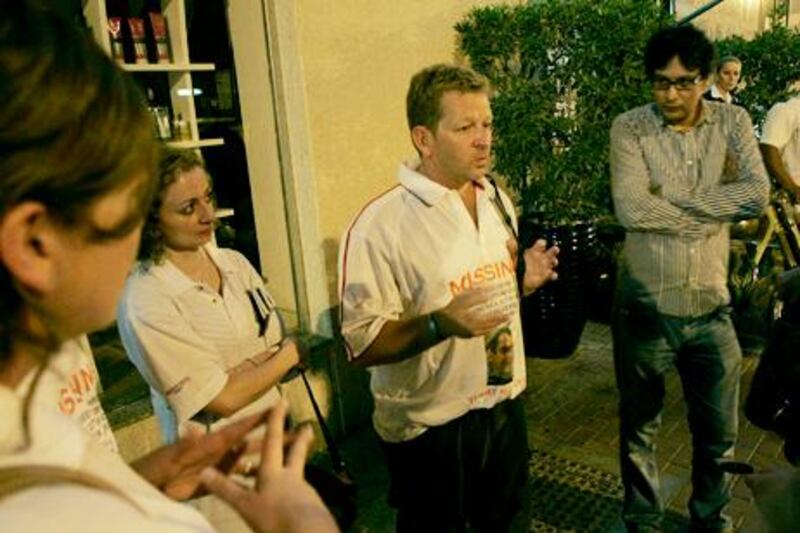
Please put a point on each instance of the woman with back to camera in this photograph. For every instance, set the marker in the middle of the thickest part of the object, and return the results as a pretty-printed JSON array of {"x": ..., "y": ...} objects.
[
  {"x": 726, "y": 80},
  {"x": 76, "y": 167}
]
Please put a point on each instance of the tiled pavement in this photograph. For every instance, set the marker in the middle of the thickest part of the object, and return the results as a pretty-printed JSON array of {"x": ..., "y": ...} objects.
[
  {"x": 572, "y": 414},
  {"x": 571, "y": 406}
]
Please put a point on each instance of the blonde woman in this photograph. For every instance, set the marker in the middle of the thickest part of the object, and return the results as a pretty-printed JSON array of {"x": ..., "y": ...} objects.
[{"x": 726, "y": 80}]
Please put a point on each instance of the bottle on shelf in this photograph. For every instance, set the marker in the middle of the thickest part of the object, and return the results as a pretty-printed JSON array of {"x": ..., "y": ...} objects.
[
  {"x": 180, "y": 129},
  {"x": 160, "y": 116},
  {"x": 117, "y": 29},
  {"x": 158, "y": 49},
  {"x": 131, "y": 31},
  {"x": 138, "y": 46}
]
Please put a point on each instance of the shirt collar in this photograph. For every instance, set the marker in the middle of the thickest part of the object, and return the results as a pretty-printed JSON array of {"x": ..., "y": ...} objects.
[
  {"x": 715, "y": 93},
  {"x": 176, "y": 282},
  {"x": 223, "y": 262},
  {"x": 708, "y": 114},
  {"x": 424, "y": 188}
]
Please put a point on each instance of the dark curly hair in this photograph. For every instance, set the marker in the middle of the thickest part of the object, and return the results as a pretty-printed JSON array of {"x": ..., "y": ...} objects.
[{"x": 689, "y": 44}]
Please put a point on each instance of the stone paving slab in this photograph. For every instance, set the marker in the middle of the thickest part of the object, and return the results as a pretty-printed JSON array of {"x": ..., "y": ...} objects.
[
  {"x": 572, "y": 416},
  {"x": 572, "y": 413}
]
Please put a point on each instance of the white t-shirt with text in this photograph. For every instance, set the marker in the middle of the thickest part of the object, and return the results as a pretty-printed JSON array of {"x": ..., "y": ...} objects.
[{"x": 408, "y": 253}]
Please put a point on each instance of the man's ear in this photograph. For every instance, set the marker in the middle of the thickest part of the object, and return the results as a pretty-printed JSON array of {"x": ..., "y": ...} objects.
[
  {"x": 27, "y": 242},
  {"x": 422, "y": 138}
]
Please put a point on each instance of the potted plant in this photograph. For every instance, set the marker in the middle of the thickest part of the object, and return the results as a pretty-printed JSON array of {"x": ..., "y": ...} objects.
[{"x": 561, "y": 70}]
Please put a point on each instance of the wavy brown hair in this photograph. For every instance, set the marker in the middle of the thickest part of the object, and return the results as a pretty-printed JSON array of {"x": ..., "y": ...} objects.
[
  {"x": 73, "y": 127},
  {"x": 172, "y": 163}
]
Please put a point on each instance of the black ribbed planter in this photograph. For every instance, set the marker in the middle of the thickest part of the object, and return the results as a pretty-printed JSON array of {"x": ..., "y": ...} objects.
[{"x": 554, "y": 316}]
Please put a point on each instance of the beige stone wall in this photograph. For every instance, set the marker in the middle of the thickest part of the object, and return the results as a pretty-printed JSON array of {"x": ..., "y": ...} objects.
[
  {"x": 358, "y": 56},
  {"x": 732, "y": 17}
]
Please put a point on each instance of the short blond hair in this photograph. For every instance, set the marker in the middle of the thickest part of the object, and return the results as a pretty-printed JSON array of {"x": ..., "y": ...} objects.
[
  {"x": 423, "y": 100},
  {"x": 727, "y": 59}
]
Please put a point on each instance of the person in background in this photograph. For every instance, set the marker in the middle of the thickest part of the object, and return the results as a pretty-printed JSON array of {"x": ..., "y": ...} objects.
[
  {"x": 196, "y": 320},
  {"x": 773, "y": 404},
  {"x": 427, "y": 274},
  {"x": 674, "y": 198},
  {"x": 76, "y": 179},
  {"x": 726, "y": 79},
  {"x": 780, "y": 146}
]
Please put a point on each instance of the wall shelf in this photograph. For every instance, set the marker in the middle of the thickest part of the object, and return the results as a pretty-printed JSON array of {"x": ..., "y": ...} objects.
[
  {"x": 178, "y": 72},
  {"x": 200, "y": 143},
  {"x": 167, "y": 67}
]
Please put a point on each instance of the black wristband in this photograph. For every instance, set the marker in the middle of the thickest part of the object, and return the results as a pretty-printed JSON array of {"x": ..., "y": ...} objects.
[{"x": 433, "y": 329}]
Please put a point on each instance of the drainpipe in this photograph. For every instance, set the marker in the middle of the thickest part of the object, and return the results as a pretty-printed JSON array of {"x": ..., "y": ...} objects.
[{"x": 699, "y": 11}]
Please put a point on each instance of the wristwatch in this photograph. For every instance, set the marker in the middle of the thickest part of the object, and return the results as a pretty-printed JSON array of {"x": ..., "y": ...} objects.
[{"x": 433, "y": 328}]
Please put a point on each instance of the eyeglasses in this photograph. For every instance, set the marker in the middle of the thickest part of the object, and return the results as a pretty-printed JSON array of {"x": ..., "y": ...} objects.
[{"x": 660, "y": 83}]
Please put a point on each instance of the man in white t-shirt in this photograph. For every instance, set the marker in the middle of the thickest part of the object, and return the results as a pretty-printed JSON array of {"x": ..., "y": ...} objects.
[
  {"x": 427, "y": 278},
  {"x": 780, "y": 145}
]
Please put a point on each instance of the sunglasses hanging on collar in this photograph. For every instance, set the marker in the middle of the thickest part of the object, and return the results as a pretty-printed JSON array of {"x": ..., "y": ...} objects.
[{"x": 263, "y": 308}]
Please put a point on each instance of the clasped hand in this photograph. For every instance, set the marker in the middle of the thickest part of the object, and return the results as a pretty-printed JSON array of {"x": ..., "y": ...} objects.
[{"x": 282, "y": 500}]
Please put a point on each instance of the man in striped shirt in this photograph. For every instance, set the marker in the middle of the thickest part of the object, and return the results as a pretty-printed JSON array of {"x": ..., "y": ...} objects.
[{"x": 682, "y": 169}]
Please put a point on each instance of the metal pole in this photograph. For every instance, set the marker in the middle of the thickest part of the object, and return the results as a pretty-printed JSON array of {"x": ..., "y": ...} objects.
[{"x": 699, "y": 11}]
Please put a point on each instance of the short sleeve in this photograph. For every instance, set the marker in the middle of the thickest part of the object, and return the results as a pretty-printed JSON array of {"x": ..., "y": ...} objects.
[
  {"x": 778, "y": 126},
  {"x": 368, "y": 289},
  {"x": 176, "y": 362}
]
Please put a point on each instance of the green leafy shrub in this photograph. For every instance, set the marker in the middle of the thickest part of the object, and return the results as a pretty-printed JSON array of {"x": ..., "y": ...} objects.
[
  {"x": 562, "y": 69},
  {"x": 771, "y": 64}
]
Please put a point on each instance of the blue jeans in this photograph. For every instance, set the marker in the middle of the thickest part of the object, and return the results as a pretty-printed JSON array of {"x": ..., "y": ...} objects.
[{"x": 706, "y": 353}]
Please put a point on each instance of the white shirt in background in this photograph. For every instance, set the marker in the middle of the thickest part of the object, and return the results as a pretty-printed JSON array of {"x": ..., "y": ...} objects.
[{"x": 782, "y": 130}]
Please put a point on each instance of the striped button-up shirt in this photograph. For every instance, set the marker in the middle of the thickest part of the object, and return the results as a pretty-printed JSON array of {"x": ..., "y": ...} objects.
[{"x": 676, "y": 192}]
